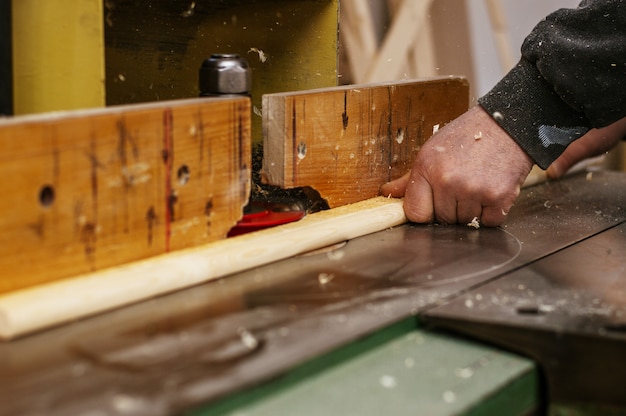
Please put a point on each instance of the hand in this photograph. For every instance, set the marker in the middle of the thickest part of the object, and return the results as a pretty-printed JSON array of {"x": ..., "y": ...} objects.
[
  {"x": 470, "y": 168},
  {"x": 594, "y": 143}
]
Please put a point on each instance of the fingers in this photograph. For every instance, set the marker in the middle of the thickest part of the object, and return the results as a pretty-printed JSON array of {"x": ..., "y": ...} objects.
[
  {"x": 449, "y": 210},
  {"x": 447, "y": 204},
  {"x": 470, "y": 168},
  {"x": 594, "y": 143},
  {"x": 457, "y": 202},
  {"x": 558, "y": 168},
  {"x": 418, "y": 204},
  {"x": 418, "y": 201},
  {"x": 574, "y": 153},
  {"x": 467, "y": 210},
  {"x": 397, "y": 187},
  {"x": 422, "y": 206},
  {"x": 493, "y": 216}
]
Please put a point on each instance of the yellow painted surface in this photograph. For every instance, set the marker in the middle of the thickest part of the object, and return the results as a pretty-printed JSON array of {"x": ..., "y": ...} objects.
[
  {"x": 154, "y": 49},
  {"x": 58, "y": 55}
]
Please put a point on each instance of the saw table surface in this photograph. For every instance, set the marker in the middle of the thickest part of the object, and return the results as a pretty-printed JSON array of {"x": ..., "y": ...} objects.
[{"x": 313, "y": 330}]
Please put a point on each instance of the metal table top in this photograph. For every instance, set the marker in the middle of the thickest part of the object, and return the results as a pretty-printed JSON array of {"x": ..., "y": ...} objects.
[{"x": 201, "y": 344}]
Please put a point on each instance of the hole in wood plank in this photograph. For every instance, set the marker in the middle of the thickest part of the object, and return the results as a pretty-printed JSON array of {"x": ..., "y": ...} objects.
[
  {"x": 616, "y": 327},
  {"x": 528, "y": 310},
  {"x": 400, "y": 135},
  {"x": 301, "y": 150},
  {"x": 46, "y": 195},
  {"x": 183, "y": 174},
  {"x": 532, "y": 309}
]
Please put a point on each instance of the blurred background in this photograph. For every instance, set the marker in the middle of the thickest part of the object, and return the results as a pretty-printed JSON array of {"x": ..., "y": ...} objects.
[
  {"x": 394, "y": 39},
  {"x": 384, "y": 40},
  {"x": 74, "y": 54}
]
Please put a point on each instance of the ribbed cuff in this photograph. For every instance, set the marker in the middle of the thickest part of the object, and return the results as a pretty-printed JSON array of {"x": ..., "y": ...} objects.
[{"x": 525, "y": 105}]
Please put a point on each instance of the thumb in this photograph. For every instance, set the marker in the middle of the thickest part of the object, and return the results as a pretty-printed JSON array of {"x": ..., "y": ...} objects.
[
  {"x": 397, "y": 187},
  {"x": 419, "y": 201}
]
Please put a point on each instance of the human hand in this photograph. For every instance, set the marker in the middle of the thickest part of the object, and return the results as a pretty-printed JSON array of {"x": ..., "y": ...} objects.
[
  {"x": 594, "y": 143},
  {"x": 470, "y": 168}
]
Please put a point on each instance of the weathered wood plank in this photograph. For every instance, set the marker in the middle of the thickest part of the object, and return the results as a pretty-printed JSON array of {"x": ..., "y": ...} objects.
[
  {"x": 86, "y": 190},
  {"x": 346, "y": 141}
]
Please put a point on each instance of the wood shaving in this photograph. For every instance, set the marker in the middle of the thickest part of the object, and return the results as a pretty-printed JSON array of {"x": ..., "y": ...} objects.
[
  {"x": 474, "y": 223},
  {"x": 325, "y": 278},
  {"x": 262, "y": 56},
  {"x": 190, "y": 11}
]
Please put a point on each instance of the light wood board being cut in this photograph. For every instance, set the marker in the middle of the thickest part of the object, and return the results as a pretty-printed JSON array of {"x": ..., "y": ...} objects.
[{"x": 43, "y": 306}]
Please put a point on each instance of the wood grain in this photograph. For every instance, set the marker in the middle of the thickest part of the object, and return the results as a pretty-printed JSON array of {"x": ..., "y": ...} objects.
[
  {"x": 86, "y": 190},
  {"x": 347, "y": 141},
  {"x": 36, "y": 308}
]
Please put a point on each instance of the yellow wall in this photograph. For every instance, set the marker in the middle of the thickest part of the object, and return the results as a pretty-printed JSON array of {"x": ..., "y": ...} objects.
[
  {"x": 58, "y": 55},
  {"x": 154, "y": 50}
]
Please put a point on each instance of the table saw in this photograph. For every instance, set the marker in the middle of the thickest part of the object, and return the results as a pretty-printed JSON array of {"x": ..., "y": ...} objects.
[
  {"x": 122, "y": 295},
  {"x": 527, "y": 318},
  {"x": 356, "y": 328}
]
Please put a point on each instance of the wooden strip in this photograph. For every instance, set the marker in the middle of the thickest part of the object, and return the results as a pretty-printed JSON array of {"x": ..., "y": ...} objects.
[
  {"x": 421, "y": 60},
  {"x": 347, "y": 141},
  {"x": 391, "y": 57},
  {"x": 359, "y": 35},
  {"x": 54, "y": 303},
  {"x": 497, "y": 16},
  {"x": 87, "y": 190}
]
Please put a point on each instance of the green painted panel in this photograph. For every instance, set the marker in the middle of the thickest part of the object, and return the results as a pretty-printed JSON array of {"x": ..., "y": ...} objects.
[
  {"x": 304, "y": 373},
  {"x": 414, "y": 373},
  {"x": 580, "y": 409}
]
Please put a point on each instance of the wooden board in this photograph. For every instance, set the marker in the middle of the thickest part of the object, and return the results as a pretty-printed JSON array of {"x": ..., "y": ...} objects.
[
  {"x": 86, "y": 190},
  {"x": 347, "y": 141},
  {"x": 50, "y": 304}
]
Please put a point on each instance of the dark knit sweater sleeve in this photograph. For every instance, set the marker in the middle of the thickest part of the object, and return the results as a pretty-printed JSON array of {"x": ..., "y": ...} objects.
[{"x": 571, "y": 77}]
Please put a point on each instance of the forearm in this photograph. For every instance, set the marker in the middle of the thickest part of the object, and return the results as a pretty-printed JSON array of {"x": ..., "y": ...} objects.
[{"x": 572, "y": 76}]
